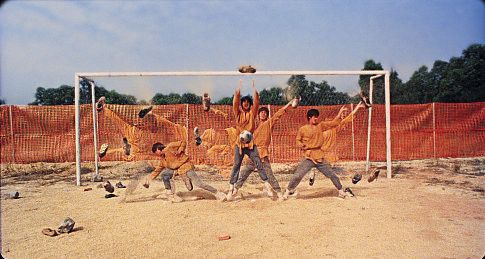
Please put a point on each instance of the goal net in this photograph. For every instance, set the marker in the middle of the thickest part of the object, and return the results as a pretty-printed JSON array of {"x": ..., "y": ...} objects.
[{"x": 118, "y": 133}]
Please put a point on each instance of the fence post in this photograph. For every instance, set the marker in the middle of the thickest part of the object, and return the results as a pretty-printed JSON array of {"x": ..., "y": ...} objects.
[
  {"x": 353, "y": 133},
  {"x": 187, "y": 127},
  {"x": 434, "y": 131},
  {"x": 11, "y": 132}
]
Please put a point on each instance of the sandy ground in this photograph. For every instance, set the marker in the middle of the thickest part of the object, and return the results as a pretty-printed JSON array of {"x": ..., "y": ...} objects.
[{"x": 429, "y": 209}]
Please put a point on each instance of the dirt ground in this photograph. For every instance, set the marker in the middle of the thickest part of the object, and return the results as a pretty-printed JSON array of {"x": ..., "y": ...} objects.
[{"x": 429, "y": 209}]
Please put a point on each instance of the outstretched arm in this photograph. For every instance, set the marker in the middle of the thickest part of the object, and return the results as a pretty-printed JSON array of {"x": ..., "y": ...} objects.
[
  {"x": 237, "y": 99},
  {"x": 256, "y": 101},
  {"x": 326, "y": 125},
  {"x": 349, "y": 117},
  {"x": 280, "y": 113}
]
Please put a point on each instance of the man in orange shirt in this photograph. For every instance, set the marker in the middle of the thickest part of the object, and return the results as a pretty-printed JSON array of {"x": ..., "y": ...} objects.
[
  {"x": 262, "y": 139},
  {"x": 245, "y": 112},
  {"x": 310, "y": 139},
  {"x": 329, "y": 146},
  {"x": 173, "y": 158}
]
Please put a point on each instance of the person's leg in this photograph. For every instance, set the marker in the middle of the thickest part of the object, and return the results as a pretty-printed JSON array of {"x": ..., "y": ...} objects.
[
  {"x": 197, "y": 181},
  {"x": 245, "y": 172},
  {"x": 271, "y": 178},
  {"x": 303, "y": 167},
  {"x": 254, "y": 156},
  {"x": 238, "y": 157},
  {"x": 167, "y": 175},
  {"x": 329, "y": 172}
]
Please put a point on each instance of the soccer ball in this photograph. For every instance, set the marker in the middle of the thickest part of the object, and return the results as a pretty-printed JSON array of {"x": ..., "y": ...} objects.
[{"x": 246, "y": 136}]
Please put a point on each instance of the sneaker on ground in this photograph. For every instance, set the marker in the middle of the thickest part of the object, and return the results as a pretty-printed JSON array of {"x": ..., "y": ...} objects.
[
  {"x": 290, "y": 194},
  {"x": 312, "y": 178},
  {"x": 373, "y": 176}
]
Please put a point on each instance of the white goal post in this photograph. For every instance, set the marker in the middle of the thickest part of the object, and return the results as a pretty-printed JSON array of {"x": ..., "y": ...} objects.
[{"x": 91, "y": 75}]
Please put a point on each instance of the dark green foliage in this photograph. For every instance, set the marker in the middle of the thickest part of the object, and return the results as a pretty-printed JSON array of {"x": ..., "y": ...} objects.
[
  {"x": 64, "y": 95},
  {"x": 273, "y": 95}
]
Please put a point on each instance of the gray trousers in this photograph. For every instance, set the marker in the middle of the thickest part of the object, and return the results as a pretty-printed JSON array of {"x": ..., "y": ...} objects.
[
  {"x": 246, "y": 171},
  {"x": 253, "y": 154},
  {"x": 305, "y": 165},
  {"x": 167, "y": 174}
]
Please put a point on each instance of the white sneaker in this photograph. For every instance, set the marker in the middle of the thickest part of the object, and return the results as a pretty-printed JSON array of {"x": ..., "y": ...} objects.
[
  {"x": 268, "y": 189},
  {"x": 220, "y": 196},
  {"x": 231, "y": 193},
  {"x": 172, "y": 197},
  {"x": 342, "y": 194},
  {"x": 290, "y": 194},
  {"x": 280, "y": 196}
]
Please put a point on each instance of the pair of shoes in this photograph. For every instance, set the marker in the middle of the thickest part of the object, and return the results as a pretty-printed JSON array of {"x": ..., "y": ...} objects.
[
  {"x": 108, "y": 187},
  {"x": 102, "y": 150},
  {"x": 198, "y": 140},
  {"x": 356, "y": 178},
  {"x": 247, "y": 69},
  {"x": 100, "y": 104},
  {"x": 126, "y": 146},
  {"x": 290, "y": 194},
  {"x": 143, "y": 112},
  {"x": 120, "y": 185},
  {"x": 373, "y": 175}
]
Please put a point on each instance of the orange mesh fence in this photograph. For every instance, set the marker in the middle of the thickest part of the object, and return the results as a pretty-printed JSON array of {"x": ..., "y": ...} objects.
[{"x": 47, "y": 133}]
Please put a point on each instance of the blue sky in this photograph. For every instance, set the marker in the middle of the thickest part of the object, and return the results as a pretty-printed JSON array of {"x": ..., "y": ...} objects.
[{"x": 43, "y": 43}]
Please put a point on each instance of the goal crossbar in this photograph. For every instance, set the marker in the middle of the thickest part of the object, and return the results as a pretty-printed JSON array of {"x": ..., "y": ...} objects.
[{"x": 80, "y": 75}]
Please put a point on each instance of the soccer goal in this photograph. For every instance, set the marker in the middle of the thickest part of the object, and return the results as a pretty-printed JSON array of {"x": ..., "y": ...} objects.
[{"x": 91, "y": 77}]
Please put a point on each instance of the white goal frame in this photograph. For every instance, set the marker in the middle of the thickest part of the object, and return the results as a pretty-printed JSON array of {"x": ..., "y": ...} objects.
[{"x": 90, "y": 75}]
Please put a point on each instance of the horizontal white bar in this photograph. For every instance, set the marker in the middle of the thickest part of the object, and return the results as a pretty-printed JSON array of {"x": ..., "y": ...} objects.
[{"x": 229, "y": 73}]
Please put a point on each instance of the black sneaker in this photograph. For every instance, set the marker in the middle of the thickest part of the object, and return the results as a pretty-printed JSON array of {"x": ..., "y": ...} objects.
[
  {"x": 100, "y": 104},
  {"x": 356, "y": 178},
  {"x": 108, "y": 187},
  {"x": 143, "y": 112},
  {"x": 126, "y": 147},
  {"x": 312, "y": 180},
  {"x": 349, "y": 191}
]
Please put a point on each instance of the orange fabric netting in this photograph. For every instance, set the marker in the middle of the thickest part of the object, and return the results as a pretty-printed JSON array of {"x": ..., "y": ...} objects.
[{"x": 47, "y": 133}]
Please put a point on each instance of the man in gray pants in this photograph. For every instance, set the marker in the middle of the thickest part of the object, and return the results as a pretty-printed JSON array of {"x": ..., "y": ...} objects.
[{"x": 310, "y": 139}]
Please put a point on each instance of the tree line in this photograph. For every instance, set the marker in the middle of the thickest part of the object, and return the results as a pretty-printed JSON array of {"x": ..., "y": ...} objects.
[{"x": 461, "y": 79}]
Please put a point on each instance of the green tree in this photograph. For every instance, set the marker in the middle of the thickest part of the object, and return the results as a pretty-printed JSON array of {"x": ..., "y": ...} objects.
[
  {"x": 364, "y": 82},
  {"x": 64, "y": 95},
  {"x": 225, "y": 101},
  {"x": 273, "y": 95},
  {"x": 2, "y": 101},
  {"x": 162, "y": 99},
  {"x": 191, "y": 98}
]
